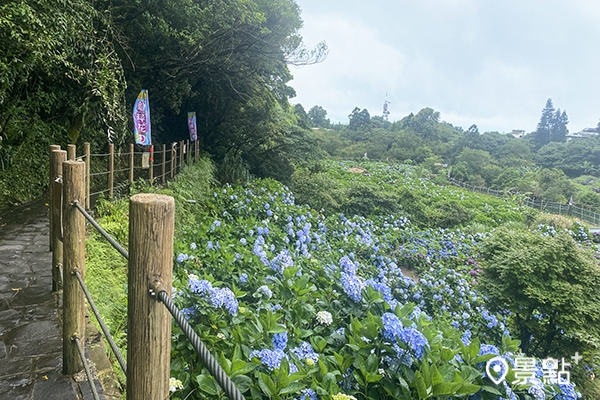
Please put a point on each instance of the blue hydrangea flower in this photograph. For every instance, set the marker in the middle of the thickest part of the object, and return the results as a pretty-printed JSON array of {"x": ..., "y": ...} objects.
[
  {"x": 567, "y": 392},
  {"x": 352, "y": 286},
  {"x": 244, "y": 278},
  {"x": 182, "y": 257},
  {"x": 415, "y": 341},
  {"x": 537, "y": 390},
  {"x": 193, "y": 246},
  {"x": 264, "y": 290},
  {"x": 269, "y": 358},
  {"x": 307, "y": 394},
  {"x": 392, "y": 326},
  {"x": 305, "y": 351},
  {"x": 280, "y": 340}
]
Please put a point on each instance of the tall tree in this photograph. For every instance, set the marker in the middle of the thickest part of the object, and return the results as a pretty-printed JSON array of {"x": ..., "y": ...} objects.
[
  {"x": 359, "y": 119},
  {"x": 552, "y": 126},
  {"x": 544, "y": 127},
  {"x": 226, "y": 60},
  {"x": 318, "y": 117}
]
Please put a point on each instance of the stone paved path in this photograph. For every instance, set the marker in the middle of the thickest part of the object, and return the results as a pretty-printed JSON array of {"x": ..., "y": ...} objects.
[{"x": 30, "y": 341}]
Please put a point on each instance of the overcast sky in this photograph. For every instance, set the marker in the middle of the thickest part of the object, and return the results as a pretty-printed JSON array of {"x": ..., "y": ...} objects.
[{"x": 493, "y": 63}]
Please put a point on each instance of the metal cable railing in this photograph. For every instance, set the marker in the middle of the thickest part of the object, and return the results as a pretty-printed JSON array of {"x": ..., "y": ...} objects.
[
  {"x": 105, "y": 234},
  {"x": 86, "y": 367},
  {"x": 211, "y": 364},
  {"x": 103, "y": 326},
  {"x": 572, "y": 210}
]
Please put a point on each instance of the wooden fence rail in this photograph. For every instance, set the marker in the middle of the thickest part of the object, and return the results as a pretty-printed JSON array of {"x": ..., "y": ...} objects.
[
  {"x": 104, "y": 173},
  {"x": 151, "y": 227}
]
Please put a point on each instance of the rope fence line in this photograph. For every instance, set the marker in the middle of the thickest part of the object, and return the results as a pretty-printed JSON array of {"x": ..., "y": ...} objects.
[
  {"x": 572, "y": 210},
  {"x": 103, "y": 326},
  {"x": 205, "y": 356},
  {"x": 150, "y": 264},
  {"x": 86, "y": 367},
  {"x": 105, "y": 234}
]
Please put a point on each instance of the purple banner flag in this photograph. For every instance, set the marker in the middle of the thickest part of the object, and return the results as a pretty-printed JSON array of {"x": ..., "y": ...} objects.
[
  {"x": 192, "y": 126},
  {"x": 141, "y": 119}
]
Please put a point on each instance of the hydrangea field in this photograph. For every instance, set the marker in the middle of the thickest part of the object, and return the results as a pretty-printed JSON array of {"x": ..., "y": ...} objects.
[{"x": 301, "y": 304}]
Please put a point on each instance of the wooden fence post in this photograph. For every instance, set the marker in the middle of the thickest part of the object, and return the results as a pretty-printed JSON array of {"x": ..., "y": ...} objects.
[
  {"x": 74, "y": 259},
  {"x": 151, "y": 230},
  {"x": 173, "y": 159},
  {"x": 50, "y": 189},
  {"x": 88, "y": 164},
  {"x": 164, "y": 162},
  {"x": 181, "y": 154},
  {"x": 151, "y": 171},
  {"x": 111, "y": 169},
  {"x": 188, "y": 150},
  {"x": 131, "y": 161},
  {"x": 71, "y": 152},
  {"x": 58, "y": 157}
]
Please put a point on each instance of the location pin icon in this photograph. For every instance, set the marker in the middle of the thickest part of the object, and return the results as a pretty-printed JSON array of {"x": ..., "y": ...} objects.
[{"x": 499, "y": 366}]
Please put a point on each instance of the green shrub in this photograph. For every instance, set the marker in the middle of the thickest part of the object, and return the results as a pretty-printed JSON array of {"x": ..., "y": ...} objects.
[{"x": 550, "y": 286}]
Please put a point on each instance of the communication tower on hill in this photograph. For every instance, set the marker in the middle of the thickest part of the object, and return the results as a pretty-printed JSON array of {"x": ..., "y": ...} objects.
[{"x": 386, "y": 112}]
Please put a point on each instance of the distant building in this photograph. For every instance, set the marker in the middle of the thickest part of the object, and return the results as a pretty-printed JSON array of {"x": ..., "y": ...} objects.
[
  {"x": 586, "y": 133},
  {"x": 518, "y": 133}
]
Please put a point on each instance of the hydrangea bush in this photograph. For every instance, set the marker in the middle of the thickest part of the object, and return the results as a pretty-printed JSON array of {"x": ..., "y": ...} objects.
[{"x": 298, "y": 304}]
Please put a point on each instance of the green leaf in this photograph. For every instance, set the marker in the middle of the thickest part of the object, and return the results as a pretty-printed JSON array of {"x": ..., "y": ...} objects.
[
  {"x": 373, "y": 377},
  {"x": 207, "y": 384},
  {"x": 293, "y": 387},
  {"x": 420, "y": 385},
  {"x": 447, "y": 354},
  {"x": 436, "y": 376},
  {"x": 283, "y": 376},
  {"x": 266, "y": 384},
  {"x": 242, "y": 382},
  {"x": 445, "y": 388},
  {"x": 426, "y": 373},
  {"x": 468, "y": 388},
  {"x": 372, "y": 363},
  {"x": 319, "y": 343}
]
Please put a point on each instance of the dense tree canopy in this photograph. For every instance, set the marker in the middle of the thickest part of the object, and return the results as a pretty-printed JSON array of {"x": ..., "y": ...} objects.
[{"x": 70, "y": 71}]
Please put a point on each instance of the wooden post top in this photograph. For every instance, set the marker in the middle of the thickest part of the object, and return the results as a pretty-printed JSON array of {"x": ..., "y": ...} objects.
[{"x": 152, "y": 198}]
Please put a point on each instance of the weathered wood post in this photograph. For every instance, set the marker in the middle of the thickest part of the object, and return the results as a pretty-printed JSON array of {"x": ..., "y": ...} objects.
[
  {"x": 131, "y": 161},
  {"x": 71, "y": 152},
  {"x": 74, "y": 259},
  {"x": 111, "y": 169},
  {"x": 151, "y": 230},
  {"x": 164, "y": 162},
  {"x": 196, "y": 150},
  {"x": 151, "y": 171},
  {"x": 173, "y": 159},
  {"x": 50, "y": 189},
  {"x": 181, "y": 154},
  {"x": 88, "y": 164},
  {"x": 188, "y": 151},
  {"x": 57, "y": 158}
]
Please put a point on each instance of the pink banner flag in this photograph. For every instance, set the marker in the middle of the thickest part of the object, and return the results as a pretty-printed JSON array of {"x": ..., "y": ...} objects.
[
  {"x": 192, "y": 126},
  {"x": 141, "y": 119}
]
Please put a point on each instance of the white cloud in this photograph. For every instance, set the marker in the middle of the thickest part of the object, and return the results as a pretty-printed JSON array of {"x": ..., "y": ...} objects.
[
  {"x": 492, "y": 63},
  {"x": 360, "y": 65}
]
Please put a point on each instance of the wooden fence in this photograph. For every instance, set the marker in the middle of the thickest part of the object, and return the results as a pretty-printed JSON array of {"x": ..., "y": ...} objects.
[
  {"x": 150, "y": 263},
  {"x": 570, "y": 210}
]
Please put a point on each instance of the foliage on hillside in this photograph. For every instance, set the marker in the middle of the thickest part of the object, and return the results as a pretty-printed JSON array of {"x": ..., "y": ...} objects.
[
  {"x": 541, "y": 164},
  {"x": 377, "y": 188},
  {"x": 300, "y": 303}
]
